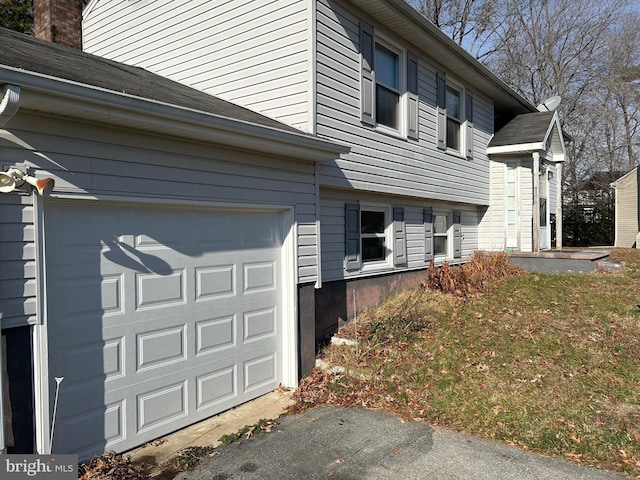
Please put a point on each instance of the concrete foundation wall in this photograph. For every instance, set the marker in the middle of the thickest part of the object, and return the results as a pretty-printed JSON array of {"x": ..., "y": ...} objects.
[{"x": 337, "y": 302}]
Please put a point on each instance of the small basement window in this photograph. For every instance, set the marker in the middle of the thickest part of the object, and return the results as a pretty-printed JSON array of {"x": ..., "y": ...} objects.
[
  {"x": 440, "y": 235},
  {"x": 373, "y": 235}
]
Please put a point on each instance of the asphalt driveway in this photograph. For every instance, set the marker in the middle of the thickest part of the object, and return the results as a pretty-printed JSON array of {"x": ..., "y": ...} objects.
[{"x": 341, "y": 443}]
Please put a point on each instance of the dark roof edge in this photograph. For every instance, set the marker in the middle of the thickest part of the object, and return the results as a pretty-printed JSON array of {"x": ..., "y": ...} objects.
[
  {"x": 225, "y": 130},
  {"x": 404, "y": 8}
]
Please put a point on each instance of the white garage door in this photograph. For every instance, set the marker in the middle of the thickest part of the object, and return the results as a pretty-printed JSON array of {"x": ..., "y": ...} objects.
[{"x": 158, "y": 317}]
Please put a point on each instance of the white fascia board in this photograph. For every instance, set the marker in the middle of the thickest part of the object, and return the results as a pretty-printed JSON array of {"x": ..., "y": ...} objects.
[
  {"x": 54, "y": 95},
  {"x": 622, "y": 178},
  {"x": 521, "y": 148},
  {"x": 555, "y": 125}
]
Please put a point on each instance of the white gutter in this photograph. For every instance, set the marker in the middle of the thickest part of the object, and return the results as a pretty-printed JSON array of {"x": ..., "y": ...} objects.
[
  {"x": 521, "y": 148},
  {"x": 54, "y": 95}
]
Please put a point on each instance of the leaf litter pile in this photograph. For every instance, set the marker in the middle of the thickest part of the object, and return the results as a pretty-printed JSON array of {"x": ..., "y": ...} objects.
[
  {"x": 550, "y": 363},
  {"x": 113, "y": 466}
]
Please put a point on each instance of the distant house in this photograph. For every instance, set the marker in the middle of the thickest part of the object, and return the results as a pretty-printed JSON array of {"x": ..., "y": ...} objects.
[
  {"x": 589, "y": 211},
  {"x": 627, "y": 205},
  {"x": 370, "y": 146}
]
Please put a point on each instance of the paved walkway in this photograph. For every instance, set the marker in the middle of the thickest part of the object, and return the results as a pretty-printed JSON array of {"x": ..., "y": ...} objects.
[{"x": 348, "y": 444}]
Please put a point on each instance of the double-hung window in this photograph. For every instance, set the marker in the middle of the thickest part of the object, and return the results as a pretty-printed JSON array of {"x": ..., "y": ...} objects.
[
  {"x": 373, "y": 236},
  {"x": 441, "y": 235},
  {"x": 387, "y": 78},
  {"x": 453, "y": 106},
  {"x": 389, "y": 97},
  {"x": 455, "y": 118}
]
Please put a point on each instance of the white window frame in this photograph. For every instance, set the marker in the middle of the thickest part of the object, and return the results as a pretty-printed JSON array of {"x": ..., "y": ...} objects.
[
  {"x": 402, "y": 86},
  {"x": 387, "y": 235},
  {"x": 449, "y": 235},
  {"x": 452, "y": 85}
]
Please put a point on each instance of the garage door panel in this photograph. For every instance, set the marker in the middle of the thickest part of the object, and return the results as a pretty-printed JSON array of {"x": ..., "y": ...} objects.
[
  {"x": 158, "y": 291},
  {"x": 78, "y": 432},
  {"x": 214, "y": 282},
  {"x": 259, "y": 324},
  {"x": 161, "y": 406},
  {"x": 82, "y": 296},
  {"x": 84, "y": 361},
  {"x": 158, "y": 348},
  {"x": 72, "y": 240},
  {"x": 215, "y": 335},
  {"x": 259, "y": 277},
  {"x": 175, "y": 320},
  {"x": 259, "y": 230},
  {"x": 213, "y": 388},
  {"x": 260, "y": 373}
]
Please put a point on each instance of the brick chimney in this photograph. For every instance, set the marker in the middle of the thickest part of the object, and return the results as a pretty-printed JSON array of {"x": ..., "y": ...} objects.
[{"x": 58, "y": 21}]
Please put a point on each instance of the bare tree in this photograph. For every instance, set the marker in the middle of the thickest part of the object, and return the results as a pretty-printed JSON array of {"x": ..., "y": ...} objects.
[
  {"x": 470, "y": 23},
  {"x": 621, "y": 79},
  {"x": 586, "y": 51}
]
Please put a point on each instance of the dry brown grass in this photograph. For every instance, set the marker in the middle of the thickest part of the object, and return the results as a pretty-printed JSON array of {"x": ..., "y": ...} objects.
[{"x": 547, "y": 362}]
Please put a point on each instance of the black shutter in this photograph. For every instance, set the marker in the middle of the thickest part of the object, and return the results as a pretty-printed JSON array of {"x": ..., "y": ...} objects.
[
  {"x": 413, "y": 120},
  {"x": 469, "y": 133},
  {"x": 441, "y": 96},
  {"x": 352, "y": 236},
  {"x": 427, "y": 214},
  {"x": 399, "y": 237},
  {"x": 366, "y": 80},
  {"x": 457, "y": 235}
]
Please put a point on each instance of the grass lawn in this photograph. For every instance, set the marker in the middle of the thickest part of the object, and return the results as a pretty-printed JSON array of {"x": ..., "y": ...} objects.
[{"x": 550, "y": 363}]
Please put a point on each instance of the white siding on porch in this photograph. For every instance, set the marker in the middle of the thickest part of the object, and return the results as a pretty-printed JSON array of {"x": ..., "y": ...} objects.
[
  {"x": 553, "y": 190},
  {"x": 493, "y": 220},
  {"x": 526, "y": 205},
  {"x": 250, "y": 52},
  {"x": 381, "y": 162}
]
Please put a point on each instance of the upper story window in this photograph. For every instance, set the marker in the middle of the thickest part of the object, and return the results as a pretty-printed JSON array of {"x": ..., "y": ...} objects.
[
  {"x": 387, "y": 95},
  {"x": 455, "y": 118},
  {"x": 453, "y": 106}
]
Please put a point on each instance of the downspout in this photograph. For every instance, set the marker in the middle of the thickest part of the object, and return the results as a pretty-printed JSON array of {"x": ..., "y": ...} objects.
[
  {"x": 316, "y": 185},
  {"x": 9, "y": 104},
  {"x": 536, "y": 202},
  {"x": 3, "y": 448},
  {"x": 8, "y": 108},
  {"x": 312, "y": 19},
  {"x": 559, "y": 206}
]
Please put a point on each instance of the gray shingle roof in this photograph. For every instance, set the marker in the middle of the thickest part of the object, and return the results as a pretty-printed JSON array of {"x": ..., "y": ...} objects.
[
  {"x": 28, "y": 53},
  {"x": 523, "y": 129}
]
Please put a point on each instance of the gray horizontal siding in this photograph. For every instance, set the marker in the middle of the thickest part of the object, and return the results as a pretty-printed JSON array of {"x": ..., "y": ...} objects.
[
  {"x": 98, "y": 160},
  {"x": 380, "y": 162},
  {"x": 17, "y": 260},
  {"x": 332, "y": 217}
]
